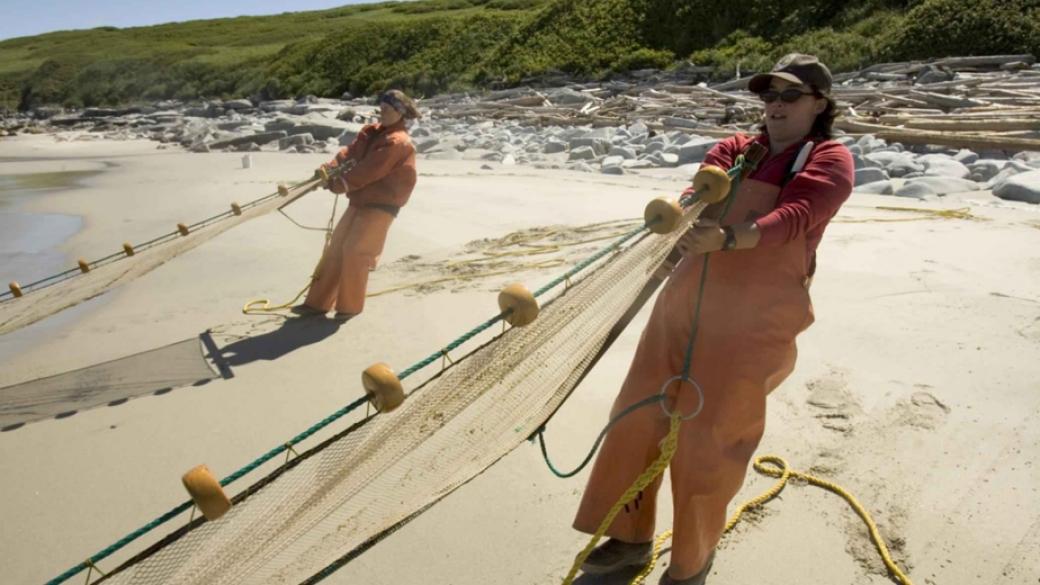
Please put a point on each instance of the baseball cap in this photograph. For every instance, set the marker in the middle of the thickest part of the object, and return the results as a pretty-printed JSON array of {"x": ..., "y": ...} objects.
[{"x": 796, "y": 68}]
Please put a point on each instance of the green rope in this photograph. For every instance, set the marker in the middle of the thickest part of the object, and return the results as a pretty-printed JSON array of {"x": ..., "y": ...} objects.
[{"x": 540, "y": 435}]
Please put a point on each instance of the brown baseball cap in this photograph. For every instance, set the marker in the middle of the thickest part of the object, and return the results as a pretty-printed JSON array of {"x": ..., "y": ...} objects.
[{"x": 796, "y": 68}]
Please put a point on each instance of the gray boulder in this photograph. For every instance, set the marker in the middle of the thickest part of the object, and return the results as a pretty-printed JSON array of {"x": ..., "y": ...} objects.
[
  {"x": 637, "y": 164},
  {"x": 424, "y": 145},
  {"x": 1012, "y": 168},
  {"x": 943, "y": 166},
  {"x": 933, "y": 74},
  {"x": 985, "y": 169},
  {"x": 876, "y": 188},
  {"x": 326, "y": 130},
  {"x": 695, "y": 150},
  {"x": 234, "y": 124},
  {"x": 656, "y": 145},
  {"x": 896, "y": 164},
  {"x": 870, "y": 175},
  {"x": 861, "y": 163},
  {"x": 450, "y": 154},
  {"x": 612, "y": 165},
  {"x": 924, "y": 186},
  {"x": 276, "y": 106},
  {"x": 623, "y": 152},
  {"x": 600, "y": 145},
  {"x": 1021, "y": 187},
  {"x": 638, "y": 129},
  {"x": 663, "y": 159},
  {"x": 869, "y": 143},
  {"x": 258, "y": 139},
  {"x": 966, "y": 157},
  {"x": 238, "y": 105},
  {"x": 295, "y": 140},
  {"x": 582, "y": 153}
]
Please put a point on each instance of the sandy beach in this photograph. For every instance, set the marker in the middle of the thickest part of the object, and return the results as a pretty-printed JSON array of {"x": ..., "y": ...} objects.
[{"x": 915, "y": 389}]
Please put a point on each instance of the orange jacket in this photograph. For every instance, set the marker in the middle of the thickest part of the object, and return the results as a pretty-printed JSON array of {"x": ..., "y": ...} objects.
[{"x": 383, "y": 171}]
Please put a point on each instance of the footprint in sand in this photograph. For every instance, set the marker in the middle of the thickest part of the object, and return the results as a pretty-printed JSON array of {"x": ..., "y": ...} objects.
[
  {"x": 1031, "y": 331},
  {"x": 833, "y": 401},
  {"x": 924, "y": 410},
  {"x": 829, "y": 463}
]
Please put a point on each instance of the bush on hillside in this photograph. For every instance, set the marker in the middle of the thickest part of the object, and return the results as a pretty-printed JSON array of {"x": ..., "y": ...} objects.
[
  {"x": 582, "y": 38},
  {"x": 644, "y": 59},
  {"x": 738, "y": 52},
  {"x": 968, "y": 27}
]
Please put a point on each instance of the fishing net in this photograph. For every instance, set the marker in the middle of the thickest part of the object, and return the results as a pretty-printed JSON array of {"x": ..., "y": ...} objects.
[
  {"x": 171, "y": 366},
  {"x": 352, "y": 489},
  {"x": 61, "y": 291}
]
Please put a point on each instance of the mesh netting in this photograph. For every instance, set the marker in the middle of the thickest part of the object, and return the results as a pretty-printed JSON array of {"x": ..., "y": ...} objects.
[
  {"x": 71, "y": 288},
  {"x": 170, "y": 366},
  {"x": 360, "y": 485}
]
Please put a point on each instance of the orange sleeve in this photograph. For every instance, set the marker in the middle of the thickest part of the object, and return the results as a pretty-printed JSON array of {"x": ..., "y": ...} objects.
[{"x": 357, "y": 146}]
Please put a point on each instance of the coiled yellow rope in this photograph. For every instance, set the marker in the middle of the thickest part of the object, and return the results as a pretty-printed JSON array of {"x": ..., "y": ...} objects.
[{"x": 770, "y": 465}]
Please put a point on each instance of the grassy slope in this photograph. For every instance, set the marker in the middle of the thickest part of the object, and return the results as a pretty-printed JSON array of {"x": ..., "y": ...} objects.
[{"x": 436, "y": 45}]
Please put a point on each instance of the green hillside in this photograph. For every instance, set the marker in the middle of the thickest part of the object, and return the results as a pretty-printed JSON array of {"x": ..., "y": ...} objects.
[{"x": 436, "y": 45}]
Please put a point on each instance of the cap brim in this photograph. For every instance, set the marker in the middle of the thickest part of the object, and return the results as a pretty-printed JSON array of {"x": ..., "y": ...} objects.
[{"x": 760, "y": 82}]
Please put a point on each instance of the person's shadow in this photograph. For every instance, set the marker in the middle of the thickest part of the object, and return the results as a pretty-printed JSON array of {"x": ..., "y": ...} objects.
[{"x": 293, "y": 334}]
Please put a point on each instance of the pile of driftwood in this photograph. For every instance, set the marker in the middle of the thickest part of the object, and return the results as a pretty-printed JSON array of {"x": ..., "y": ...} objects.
[{"x": 982, "y": 103}]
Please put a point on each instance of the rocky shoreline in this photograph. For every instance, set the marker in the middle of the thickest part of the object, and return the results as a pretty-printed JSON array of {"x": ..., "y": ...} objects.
[{"x": 648, "y": 120}]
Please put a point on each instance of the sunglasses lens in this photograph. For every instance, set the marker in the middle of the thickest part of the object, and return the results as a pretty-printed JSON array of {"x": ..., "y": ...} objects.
[
  {"x": 769, "y": 96},
  {"x": 791, "y": 95}
]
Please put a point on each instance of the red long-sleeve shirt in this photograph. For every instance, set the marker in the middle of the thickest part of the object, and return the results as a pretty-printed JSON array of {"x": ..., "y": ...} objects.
[{"x": 810, "y": 198}]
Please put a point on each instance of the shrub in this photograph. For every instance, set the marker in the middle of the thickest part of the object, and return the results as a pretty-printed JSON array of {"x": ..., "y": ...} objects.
[
  {"x": 968, "y": 27},
  {"x": 644, "y": 59}
]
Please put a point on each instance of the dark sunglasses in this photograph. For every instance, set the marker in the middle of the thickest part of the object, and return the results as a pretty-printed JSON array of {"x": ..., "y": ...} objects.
[{"x": 788, "y": 96}]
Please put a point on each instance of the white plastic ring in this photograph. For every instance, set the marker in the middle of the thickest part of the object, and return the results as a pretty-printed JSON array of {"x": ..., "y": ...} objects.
[{"x": 696, "y": 386}]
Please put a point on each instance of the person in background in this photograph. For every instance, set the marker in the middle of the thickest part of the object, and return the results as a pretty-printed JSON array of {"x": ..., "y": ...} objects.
[{"x": 378, "y": 178}]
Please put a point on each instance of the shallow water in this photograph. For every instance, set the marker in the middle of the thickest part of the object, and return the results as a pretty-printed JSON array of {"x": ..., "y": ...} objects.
[
  {"x": 14, "y": 186},
  {"x": 29, "y": 242}
]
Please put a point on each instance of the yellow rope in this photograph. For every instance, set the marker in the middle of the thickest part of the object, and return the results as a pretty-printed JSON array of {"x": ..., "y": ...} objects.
[
  {"x": 264, "y": 307},
  {"x": 777, "y": 467},
  {"x": 668, "y": 447},
  {"x": 490, "y": 259},
  {"x": 464, "y": 277},
  {"x": 962, "y": 213}
]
